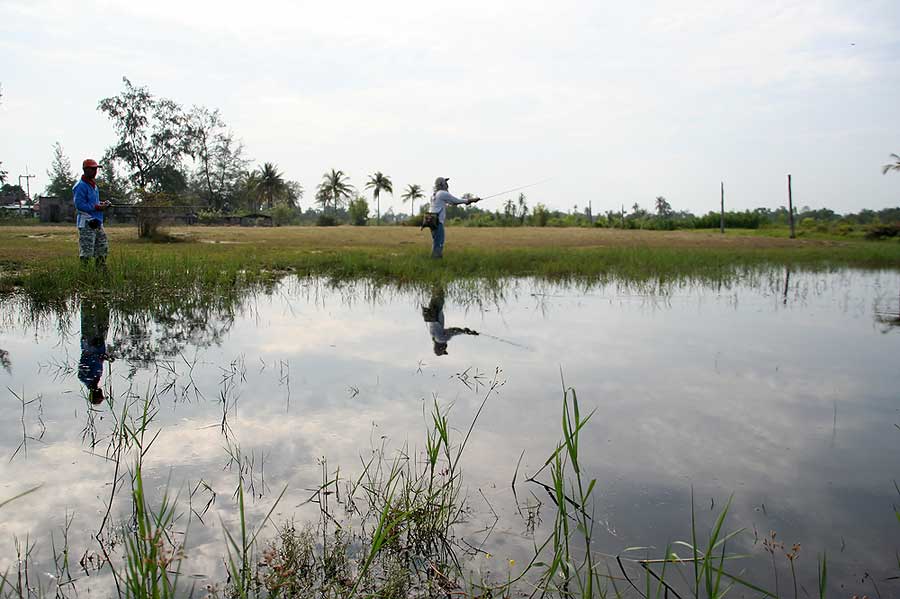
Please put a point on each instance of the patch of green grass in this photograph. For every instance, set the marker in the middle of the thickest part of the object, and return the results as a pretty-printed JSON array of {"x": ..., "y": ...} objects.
[{"x": 140, "y": 270}]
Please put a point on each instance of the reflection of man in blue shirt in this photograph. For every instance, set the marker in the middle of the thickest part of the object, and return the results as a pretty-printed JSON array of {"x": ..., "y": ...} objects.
[
  {"x": 94, "y": 327},
  {"x": 433, "y": 314}
]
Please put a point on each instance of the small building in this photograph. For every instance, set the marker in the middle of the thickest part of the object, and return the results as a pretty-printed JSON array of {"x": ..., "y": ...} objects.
[
  {"x": 56, "y": 210},
  {"x": 248, "y": 220}
]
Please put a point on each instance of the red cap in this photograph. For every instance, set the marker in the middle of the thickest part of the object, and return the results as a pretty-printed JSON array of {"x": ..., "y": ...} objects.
[{"x": 90, "y": 163}]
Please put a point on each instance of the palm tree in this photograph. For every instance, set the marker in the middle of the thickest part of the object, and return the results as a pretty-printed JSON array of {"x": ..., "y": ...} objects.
[
  {"x": 891, "y": 167},
  {"x": 413, "y": 193},
  {"x": 250, "y": 190},
  {"x": 335, "y": 186},
  {"x": 271, "y": 185},
  {"x": 378, "y": 183}
]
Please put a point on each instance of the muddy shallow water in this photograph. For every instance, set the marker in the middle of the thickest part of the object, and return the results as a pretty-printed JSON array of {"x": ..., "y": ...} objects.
[{"x": 781, "y": 389}]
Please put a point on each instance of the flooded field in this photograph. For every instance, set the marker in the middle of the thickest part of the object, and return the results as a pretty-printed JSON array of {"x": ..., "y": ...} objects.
[{"x": 781, "y": 390}]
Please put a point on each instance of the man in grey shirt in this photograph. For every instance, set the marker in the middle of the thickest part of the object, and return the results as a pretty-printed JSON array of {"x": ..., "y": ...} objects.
[
  {"x": 439, "y": 201},
  {"x": 433, "y": 314}
]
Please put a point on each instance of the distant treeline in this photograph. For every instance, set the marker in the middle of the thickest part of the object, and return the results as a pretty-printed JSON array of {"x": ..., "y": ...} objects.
[{"x": 190, "y": 158}]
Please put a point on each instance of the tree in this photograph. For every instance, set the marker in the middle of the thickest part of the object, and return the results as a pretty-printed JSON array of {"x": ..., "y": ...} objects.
[
  {"x": 152, "y": 133},
  {"x": 509, "y": 209},
  {"x": 60, "y": 173},
  {"x": 323, "y": 197},
  {"x": 271, "y": 186},
  {"x": 891, "y": 167},
  {"x": 335, "y": 188},
  {"x": 523, "y": 208},
  {"x": 112, "y": 186},
  {"x": 3, "y": 174},
  {"x": 13, "y": 194},
  {"x": 413, "y": 193},
  {"x": 663, "y": 208},
  {"x": 378, "y": 183},
  {"x": 359, "y": 211},
  {"x": 294, "y": 193},
  {"x": 218, "y": 156}
]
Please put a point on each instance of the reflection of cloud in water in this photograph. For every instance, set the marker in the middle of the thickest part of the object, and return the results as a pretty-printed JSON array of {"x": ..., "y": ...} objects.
[{"x": 726, "y": 390}]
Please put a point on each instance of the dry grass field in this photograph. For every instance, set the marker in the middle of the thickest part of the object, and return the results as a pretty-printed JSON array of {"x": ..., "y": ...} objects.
[{"x": 27, "y": 245}]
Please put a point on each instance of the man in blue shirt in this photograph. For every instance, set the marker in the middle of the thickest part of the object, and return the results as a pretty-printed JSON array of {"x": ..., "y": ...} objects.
[
  {"x": 94, "y": 328},
  {"x": 92, "y": 242}
]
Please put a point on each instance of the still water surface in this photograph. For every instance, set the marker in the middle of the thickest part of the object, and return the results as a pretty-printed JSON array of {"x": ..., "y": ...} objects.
[{"x": 782, "y": 389}]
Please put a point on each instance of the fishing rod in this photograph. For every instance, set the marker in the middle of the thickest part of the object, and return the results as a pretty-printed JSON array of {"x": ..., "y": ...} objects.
[
  {"x": 507, "y": 341},
  {"x": 494, "y": 195}
]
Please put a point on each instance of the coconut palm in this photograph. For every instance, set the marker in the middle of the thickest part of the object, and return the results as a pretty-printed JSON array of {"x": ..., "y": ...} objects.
[
  {"x": 335, "y": 187},
  {"x": 413, "y": 193},
  {"x": 891, "y": 167},
  {"x": 378, "y": 183},
  {"x": 271, "y": 185}
]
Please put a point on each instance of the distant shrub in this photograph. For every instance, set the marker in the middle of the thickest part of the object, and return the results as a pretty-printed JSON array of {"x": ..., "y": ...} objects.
[
  {"x": 540, "y": 216},
  {"x": 413, "y": 221},
  {"x": 359, "y": 212},
  {"x": 883, "y": 231},
  {"x": 283, "y": 215},
  {"x": 209, "y": 217},
  {"x": 844, "y": 229},
  {"x": 326, "y": 220}
]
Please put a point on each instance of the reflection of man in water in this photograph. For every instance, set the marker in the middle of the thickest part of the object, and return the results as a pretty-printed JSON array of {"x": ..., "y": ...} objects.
[
  {"x": 433, "y": 314},
  {"x": 94, "y": 327}
]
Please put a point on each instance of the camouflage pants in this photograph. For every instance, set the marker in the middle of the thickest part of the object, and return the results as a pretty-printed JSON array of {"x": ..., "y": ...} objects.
[{"x": 92, "y": 243}]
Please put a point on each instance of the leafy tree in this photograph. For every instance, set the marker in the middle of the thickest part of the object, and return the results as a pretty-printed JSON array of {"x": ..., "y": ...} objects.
[
  {"x": 540, "y": 215},
  {"x": 60, "y": 173},
  {"x": 112, "y": 186},
  {"x": 13, "y": 193},
  {"x": 219, "y": 158},
  {"x": 335, "y": 188},
  {"x": 378, "y": 183},
  {"x": 3, "y": 174},
  {"x": 294, "y": 193},
  {"x": 167, "y": 179},
  {"x": 891, "y": 167},
  {"x": 413, "y": 193},
  {"x": 663, "y": 208},
  {"x": 359, "y": 211},
  {"x": 152, "y": 133}
]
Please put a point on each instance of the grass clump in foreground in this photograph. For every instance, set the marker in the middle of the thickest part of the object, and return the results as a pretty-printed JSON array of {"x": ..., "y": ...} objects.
[{"x": 391, "y": 532}]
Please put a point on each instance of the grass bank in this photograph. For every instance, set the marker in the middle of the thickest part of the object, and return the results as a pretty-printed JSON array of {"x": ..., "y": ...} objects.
[{"x": 41, "y": 260}]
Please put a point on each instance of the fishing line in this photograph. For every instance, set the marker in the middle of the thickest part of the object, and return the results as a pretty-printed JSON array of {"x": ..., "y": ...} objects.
[{"x": 494, "y": 195}]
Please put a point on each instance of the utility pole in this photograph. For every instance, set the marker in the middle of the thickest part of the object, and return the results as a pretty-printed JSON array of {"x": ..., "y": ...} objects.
[
  {"x": 27, "y": 178},
  {"x": 790, "y": 208},
  {"x": 722, "y": 211}
]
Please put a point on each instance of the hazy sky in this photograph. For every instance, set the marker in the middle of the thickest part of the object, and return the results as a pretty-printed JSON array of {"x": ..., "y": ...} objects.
[{"x": 618, "y": 102}]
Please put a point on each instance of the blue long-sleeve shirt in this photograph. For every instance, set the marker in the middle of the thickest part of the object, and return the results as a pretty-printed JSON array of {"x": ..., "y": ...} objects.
[{"x": 87, "y": 203}]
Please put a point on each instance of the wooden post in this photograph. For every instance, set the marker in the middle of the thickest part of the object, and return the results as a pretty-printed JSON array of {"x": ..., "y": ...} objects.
[
  {"x": 722, "y": 211},
  {"x": 791, "y": 208}
]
